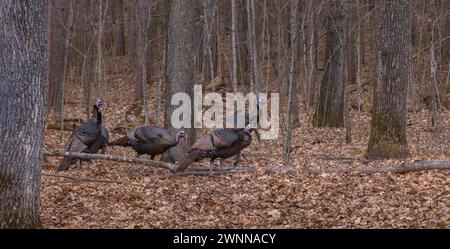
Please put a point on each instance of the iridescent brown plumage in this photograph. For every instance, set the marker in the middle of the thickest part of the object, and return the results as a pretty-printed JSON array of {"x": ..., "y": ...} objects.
[
  {"x": 88, "y": 138},
  {"x": 150, "y": 140},
  {"x": 221, "y": 143}
]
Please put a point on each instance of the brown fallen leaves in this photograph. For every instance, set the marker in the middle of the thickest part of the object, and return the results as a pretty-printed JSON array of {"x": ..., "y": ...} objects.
[{"x": 257, "y": 200}]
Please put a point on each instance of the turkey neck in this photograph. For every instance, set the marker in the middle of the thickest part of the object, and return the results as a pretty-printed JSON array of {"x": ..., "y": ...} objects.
[
  {"x": 177, "y": 139},
  {"x": 99, "y": 119},
  {"x": 97, "y": 115}
]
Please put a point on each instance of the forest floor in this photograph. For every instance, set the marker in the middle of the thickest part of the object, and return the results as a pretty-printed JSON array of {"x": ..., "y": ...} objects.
[{"x": 154, "y": 198}]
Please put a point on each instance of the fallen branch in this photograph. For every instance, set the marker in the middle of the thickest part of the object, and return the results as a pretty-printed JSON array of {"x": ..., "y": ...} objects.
[
  {"x": 403, "y": 168},
  {"x": 82, "y": 179},
  {"x": 147, "y": 162}
]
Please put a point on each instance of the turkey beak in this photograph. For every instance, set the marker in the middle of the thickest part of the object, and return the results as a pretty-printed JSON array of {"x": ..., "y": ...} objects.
[{"x": 258, "y": 136}]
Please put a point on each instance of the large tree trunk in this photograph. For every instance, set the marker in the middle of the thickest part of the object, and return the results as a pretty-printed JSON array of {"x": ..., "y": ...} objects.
[
  {"x": 180, "y": 67},
  {"x": 23, "y": 84},
  {"x": 57, "y": 35},
  {"x": 388, "y": 126},
  {"x": 330, "y": 106}
]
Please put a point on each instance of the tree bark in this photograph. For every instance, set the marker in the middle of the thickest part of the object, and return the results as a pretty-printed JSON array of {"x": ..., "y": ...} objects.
[
  {"x": 87, "y": 50},
  {"x": 292, "y": 81},
  {"x": 119, "y": 31},
  {"x": 233, "y": 46},
  {"x": 143, "y": 20},
  {"x": 180, "y": 65},
  {"x": 388, "y": 125},
  {"x": 23, "y": 97},
  {"x": 351, "y": 9},
  {"x": 330, "y": 106},
  {"x": 311, "y": 53},
  {"x": 57, "y": 34}
]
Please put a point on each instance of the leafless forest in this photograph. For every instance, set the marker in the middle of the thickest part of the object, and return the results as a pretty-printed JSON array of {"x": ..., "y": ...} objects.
[{"x": 85, "y": 106}]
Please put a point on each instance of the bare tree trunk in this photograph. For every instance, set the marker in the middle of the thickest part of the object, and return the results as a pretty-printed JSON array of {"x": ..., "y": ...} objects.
[
  {"x": 434, "y": 81},
  {"x": 58, "y": 33},
  {"x": 119, "y": 31},
  {"x": 255, "y": 56},
  {"x": 143, "y": 21},
  {"x": 292, "y": 81},
  {"x": 100, "y": 63},
  {"x": 351, "y": 9},
  {"x": 180, "y": 69},
  {"x": 310, "y": 53},
  {"x": 132, "y": 33},
  {"x": 388, "y": 126},
  {"x": 209, "y": 11},
  {"x": 23, "y": 57},
  {"x": 67, "y": 42},
  {"x": 349, "y": 65},
  {"x": 87, "y": 50},
  {"x": 359, "y": 69},
  {"x": 250, "y": 45},
  {"x": 330, "y": 106},
  {"x": 233, "y": 46}
]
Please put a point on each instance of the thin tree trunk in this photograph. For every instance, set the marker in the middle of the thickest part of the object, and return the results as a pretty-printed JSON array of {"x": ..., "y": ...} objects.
[
  {"x": 255, "y": 56},
  {"x": 388, "y": 125},
  {"x": 209, "y": 10},
  {"x": 251, "y": 57},
  {"x": 66, "y": 64},
  {"x": 359, "y": 69},
  {"x": 23, "y": 97},
  {"x": 233, "y": 46},
  {"x": 292, "y": 81},
  {"x": 119, "y": 31},
  {"x": 434, "y": 83},
  {"x": 310, "y": 53},
  {"x": 99, "y": 64},
  {"x": 281, "y": 48},
  {"x": 87, "y": 62},
  {"x": 143, "y": 20},
  {"x": 351, "y": 9},
  {"x": 58, "y": 33},
  {"x": 349, "y": 65}
]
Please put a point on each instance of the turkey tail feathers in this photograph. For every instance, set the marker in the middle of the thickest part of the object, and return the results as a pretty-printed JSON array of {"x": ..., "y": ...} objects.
[{"x": 190, "y": 158}]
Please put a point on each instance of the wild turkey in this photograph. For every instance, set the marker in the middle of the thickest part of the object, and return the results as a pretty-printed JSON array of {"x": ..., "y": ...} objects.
[
  {"x": 88, "y": 138},
  {"x": 246, "y": 119},
  {"x": 221, "y": 143},
  {"x": 150, "y": 140}
]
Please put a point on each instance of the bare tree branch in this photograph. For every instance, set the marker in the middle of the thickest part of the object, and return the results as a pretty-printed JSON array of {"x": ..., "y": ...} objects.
[{"x": 404, "y": 168}]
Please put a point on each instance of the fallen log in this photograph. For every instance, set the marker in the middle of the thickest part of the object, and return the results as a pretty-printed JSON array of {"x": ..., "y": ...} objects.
[
  {"x": 403, "y": 168},
  {"x": 147, "y": 162}
]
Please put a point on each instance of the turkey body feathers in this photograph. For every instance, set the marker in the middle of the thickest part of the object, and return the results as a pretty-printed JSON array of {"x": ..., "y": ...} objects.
[
  {"x": 88, "y": 138},
  {"x": 150, "y": 140},
  {"x": 223, "y": 144}
]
